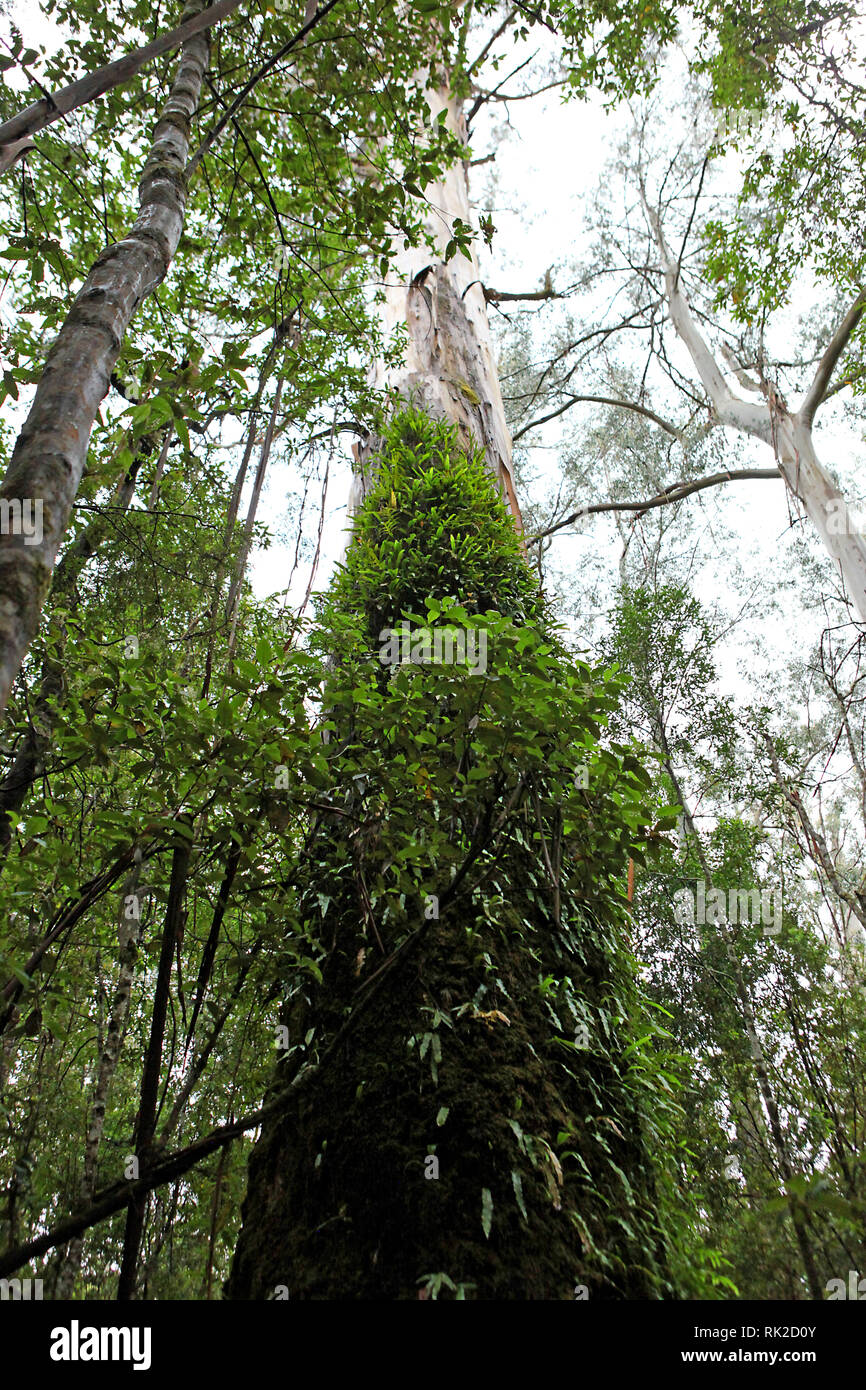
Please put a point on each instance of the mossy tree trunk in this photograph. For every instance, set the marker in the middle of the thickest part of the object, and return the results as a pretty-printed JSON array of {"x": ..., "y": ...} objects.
[{"x": 481, "y": 1129}]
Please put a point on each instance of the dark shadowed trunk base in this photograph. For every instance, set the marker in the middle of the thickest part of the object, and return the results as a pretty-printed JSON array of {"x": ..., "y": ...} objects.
[{"x": 339, "y": 1206}]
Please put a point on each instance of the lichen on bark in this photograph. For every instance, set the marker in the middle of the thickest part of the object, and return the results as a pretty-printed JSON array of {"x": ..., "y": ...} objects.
[{"x": 50, "y": 454}]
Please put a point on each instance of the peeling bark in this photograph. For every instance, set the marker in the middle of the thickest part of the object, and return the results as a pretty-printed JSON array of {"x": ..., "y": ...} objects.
[{"x": 449, "y": 369}]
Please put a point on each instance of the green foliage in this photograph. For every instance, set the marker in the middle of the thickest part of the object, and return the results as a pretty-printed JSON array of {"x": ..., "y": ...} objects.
[
  {"x": 440, "y": 784},
  {"x": 798, "y": 64},
  {"x": 329, "y": 801},
  {"x": 428, "y": 529},
  {"x": 809, "y": 1019}
]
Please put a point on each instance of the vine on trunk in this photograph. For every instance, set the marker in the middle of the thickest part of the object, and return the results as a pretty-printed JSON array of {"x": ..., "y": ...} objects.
[{"x": 486, "y": 1128}]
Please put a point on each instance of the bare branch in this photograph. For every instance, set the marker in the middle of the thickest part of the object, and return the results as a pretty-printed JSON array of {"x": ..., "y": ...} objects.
[
  {"x": 474, "y": 66},
  {"x": 691, "y": 220},
  {"x": 599, "y": 400},
  {"x": 708, "y": 369},
  {"x": 512, "y": 297},
  {"x": 740, "y": 372},
  {"x": 514, "y": 96},
  {"x": 675, "y": 493},
  {"x": 818, "y": 848},
  {"x": 730, "y": 409},
  {"x": 487, "y": 96},
  {"x": 821, "y": 381}
]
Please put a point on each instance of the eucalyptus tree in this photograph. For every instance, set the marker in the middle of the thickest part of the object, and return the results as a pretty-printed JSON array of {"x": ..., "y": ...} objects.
[
  {"x": 452, "y": 1138},
  {"x": 674, "y": 250}
]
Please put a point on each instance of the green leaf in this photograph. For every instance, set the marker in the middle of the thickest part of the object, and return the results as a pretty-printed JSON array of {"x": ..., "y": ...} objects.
[
  {"x": 517, "y": 1184},
  {"x": 486, "y": 1211}
]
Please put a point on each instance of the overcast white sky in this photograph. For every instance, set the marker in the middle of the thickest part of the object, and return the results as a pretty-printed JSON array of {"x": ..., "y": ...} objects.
[{"x": 548, "y": 165}]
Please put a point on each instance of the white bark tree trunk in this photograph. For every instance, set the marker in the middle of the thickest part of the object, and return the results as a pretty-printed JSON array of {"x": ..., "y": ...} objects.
[
  {"x": 824, "y": 504},
  {"x": 788, "y": 432},
  {"x": 449, "y": 368}
]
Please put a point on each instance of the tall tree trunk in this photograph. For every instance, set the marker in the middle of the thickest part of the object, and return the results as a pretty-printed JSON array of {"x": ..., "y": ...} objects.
[
  {"x": 455, "y": 1144},
  {"x": 449, "y": 370},
  {"x": 51, "y": 451}
]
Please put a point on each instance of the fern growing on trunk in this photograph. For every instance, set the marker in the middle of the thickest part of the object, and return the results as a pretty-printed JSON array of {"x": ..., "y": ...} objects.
[{"x": 481, "y": 1121}]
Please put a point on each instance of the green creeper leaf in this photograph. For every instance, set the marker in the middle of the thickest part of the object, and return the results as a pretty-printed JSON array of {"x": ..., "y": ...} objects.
[
  {"x": 486, "y": 1211},
  {"x": 517, "y": 1184}
]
